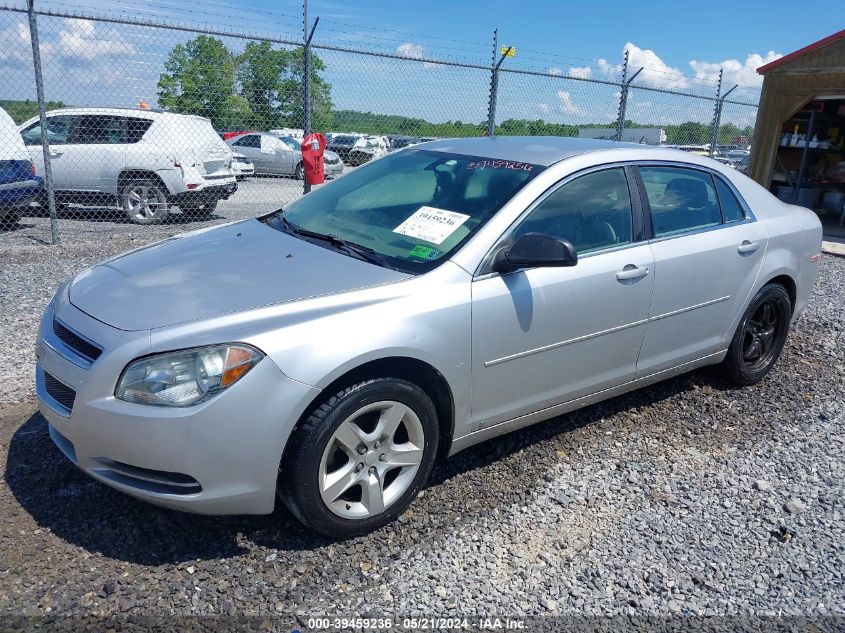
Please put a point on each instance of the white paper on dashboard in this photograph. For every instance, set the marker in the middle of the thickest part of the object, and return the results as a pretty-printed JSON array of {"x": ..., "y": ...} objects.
[{"x": 431, "y": 224}]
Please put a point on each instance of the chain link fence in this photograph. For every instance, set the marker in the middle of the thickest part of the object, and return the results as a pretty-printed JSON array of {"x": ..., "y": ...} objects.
[{"x": 136, "y": 126}]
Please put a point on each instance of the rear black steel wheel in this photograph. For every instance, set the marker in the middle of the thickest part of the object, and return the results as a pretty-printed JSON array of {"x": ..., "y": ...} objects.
[{"x": 760, "y": 337}]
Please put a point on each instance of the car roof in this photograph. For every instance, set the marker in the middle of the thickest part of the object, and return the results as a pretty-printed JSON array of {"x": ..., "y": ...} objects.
[
  {"x": 130, "y": 112},
  {"x": 539, "y": 150}
]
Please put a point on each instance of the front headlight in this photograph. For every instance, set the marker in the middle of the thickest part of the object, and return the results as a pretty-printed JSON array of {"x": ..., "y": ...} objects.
[{"x": 187, "y": 377}]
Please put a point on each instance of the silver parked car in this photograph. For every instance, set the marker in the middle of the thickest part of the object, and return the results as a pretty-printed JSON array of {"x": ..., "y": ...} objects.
[
  {"x": 275, "y": 155},
  {"x": 429, "y": 300}
]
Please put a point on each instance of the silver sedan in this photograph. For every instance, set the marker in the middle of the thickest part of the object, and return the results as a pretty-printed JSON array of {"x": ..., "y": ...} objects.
[
  {"x": 277, "y": 155},
  {"x": 432, "y": 299}
]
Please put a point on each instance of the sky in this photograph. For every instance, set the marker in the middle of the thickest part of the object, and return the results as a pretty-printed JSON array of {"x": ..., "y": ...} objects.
[{"x": 680, "y": 46}]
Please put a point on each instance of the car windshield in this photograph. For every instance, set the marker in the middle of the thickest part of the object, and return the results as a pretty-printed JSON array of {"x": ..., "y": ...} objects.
[
  {"x": 411, "y": 208},
  {"x": 344, "y": 140}
]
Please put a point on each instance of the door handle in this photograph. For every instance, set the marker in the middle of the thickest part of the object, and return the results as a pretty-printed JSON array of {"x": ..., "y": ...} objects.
[
  {"x": 746, "y": 248},
  {"x": 54, "y": 153},
  {"x": 631, "y": 272}
]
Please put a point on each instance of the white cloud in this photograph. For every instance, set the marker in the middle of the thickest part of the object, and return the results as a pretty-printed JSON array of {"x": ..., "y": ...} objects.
[
  {"x": 15, "y": 48},
  {"x": 555, "y": 71},
  {"x": 657, "y": 72},
  {"x": 544, "y": 108},
  {"x": 77, "y": 44},
  {"x": 80, "y": 40},
  {"x": 580, "y": 72},
  {"x": 415, "y": 51},
  {"x": 411, "y": 50},
  {"x": 735, "y": 72},
  {"x": 567, "y": 106}
]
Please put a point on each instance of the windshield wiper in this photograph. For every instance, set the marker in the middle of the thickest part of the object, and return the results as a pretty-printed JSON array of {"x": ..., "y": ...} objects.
[{"x": 358, "y": 251}]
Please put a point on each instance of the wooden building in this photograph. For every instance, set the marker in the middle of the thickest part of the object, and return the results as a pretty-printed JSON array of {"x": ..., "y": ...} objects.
[{"x": 799, "y": 138}]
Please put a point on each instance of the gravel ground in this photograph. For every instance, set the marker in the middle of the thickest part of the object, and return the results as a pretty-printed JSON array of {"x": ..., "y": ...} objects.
[{"x": 685, "y": 498}]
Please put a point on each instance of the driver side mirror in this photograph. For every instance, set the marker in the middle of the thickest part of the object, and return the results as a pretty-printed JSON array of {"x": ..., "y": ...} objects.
[{"x": 535, "y": 250}]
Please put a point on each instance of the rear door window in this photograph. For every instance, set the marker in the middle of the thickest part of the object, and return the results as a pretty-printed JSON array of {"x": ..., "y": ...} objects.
[
  {"x": 133, "y": 129},
  {"x": 681, "y": 200},
  {"x": 732, "y": 211},
  {"x": 95, "y": 130}
]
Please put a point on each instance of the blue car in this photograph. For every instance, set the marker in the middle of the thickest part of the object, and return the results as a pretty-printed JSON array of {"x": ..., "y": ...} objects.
[{"x": 18, "y": 182}]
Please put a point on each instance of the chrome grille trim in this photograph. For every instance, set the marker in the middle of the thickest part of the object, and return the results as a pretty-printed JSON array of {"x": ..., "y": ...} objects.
[{"x": 83, "y": 347}]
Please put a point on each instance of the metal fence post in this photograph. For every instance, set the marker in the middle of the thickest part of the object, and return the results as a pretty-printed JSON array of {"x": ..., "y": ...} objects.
[
  {"x": 494, "y": 87},
  {"x": 717, "y": 115},
  {"x": 494, "y": 84},
  {"x": 714, "y": 131},
  {"x": 42, "y": 118},
  {"x": 623, "y": 98},
  {"x": 306, "y": 84}
]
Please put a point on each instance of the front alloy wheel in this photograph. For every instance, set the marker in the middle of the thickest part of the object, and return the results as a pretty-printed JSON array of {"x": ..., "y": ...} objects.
[
  {"x": 371, "y": 459},
  {"x": 359, "y": 459}
]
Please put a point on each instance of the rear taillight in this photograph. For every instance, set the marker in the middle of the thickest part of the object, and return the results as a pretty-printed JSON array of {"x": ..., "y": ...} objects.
[{"x": 32, "y": 168}]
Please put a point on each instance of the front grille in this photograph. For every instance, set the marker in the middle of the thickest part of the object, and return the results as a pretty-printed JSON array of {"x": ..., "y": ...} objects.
[
  {"x": 59, "y": 392},
  {"x": 84, "y": 348}
]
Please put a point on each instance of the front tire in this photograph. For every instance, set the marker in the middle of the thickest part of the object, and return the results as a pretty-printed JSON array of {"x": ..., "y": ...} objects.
[
  {"x": 144, "y": 201},
  {"x": 360, "y": 458},
  {"x": 760, "y": 336}
]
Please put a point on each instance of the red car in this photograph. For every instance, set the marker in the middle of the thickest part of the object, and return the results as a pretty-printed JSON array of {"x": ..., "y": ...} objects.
[{"x": 228, "y": 135}]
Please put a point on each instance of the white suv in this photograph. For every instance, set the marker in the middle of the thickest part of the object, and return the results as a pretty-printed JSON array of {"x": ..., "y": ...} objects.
[{"x": 145, "y": 160}]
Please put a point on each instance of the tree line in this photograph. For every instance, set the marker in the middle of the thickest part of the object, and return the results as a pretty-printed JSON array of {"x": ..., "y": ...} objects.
[{"x": 688, "y": 133}]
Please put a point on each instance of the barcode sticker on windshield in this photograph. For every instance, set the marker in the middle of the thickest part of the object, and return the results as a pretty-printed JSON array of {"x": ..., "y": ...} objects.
[{"x": 430, "y": 224}]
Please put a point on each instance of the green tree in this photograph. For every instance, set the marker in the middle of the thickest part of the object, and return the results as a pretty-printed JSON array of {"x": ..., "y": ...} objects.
[
  {"x": 20, "y": 111},
  {"x": 689, "y": 133},
  {"x": 271, "y": 82},
  {"x": 199, "y": 78}
]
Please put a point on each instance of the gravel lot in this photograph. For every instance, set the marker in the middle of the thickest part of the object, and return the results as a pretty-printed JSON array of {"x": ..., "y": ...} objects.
[{"x": 689, "y": 497}]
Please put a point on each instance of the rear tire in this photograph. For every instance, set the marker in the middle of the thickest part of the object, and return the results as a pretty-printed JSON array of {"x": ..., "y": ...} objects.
[
  {"x": 760, "y": 336},
  {"x": 357, "y": 462},
  {"x": 144, "y": 201},
  {"x": 299, "y": 173}
]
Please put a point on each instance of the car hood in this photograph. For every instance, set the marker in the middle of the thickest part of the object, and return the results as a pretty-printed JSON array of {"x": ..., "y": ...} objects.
[{"x": 216, "y": 271}]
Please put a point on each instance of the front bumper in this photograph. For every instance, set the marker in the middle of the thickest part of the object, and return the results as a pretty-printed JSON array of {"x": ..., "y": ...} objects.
[
  {"x": 332, "y": 170},
  {"x": 243, "y": 169},
  {"x": 21, "y": 193},
  {"x": 218, "y": 457}
]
